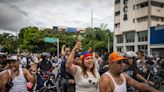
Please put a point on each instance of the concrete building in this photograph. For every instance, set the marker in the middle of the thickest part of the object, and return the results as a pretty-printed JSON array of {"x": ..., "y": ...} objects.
[
  {"x": 157, "y": 41},
  {"x": 132, "y": 22}
]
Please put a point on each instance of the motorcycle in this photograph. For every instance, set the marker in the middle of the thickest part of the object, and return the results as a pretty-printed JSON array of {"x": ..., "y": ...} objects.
[
  {"x": 160, "y": 73},
  {"x": 46, "y": 82},
  {"x": 152, "y": 76},
  {"x": 49, "y": 84}
]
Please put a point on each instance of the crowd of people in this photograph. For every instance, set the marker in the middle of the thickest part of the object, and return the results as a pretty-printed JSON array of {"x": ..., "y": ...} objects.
[{"x": 77, "y": 71}]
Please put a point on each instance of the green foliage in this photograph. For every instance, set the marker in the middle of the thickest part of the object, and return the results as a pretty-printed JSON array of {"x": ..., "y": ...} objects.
[
  {"x": 98, "y": 38},
  {"x": 9, "y": 42},
  {"x": 31, "y": 39}
]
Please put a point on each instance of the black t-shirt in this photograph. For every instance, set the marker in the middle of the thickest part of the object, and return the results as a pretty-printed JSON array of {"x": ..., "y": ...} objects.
[
  {"x": 132, "y": 71},
  {"x": 64, "y": 73},
  {"x": 45, "y": 65}
]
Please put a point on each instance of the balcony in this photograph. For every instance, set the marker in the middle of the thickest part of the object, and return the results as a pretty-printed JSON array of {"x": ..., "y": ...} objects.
[
  {"x": 140, "y": 26},
  {"x": 117, "y": 19},
  {"x": 157, "y": 11},
  {"x": 117, "y": 31},
  {"x": 141, "y": 12},
  {"x": 156, "y": 23},
  {"x": 140, "y": 1},
  {"x": 117, "y": 7},
  {"x": 158, "y": 1}
]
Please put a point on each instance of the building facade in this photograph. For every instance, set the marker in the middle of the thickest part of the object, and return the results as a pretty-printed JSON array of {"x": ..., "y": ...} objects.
[
  {"x": 157, "y": 41},
  {"x": 132, "y": 22}
]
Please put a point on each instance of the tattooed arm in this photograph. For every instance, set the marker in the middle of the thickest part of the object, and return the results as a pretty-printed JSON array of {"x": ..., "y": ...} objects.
[{"x": 138, "y": 85}]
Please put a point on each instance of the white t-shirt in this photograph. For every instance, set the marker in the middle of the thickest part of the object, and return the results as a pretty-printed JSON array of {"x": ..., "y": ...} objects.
[
  {"x": 89, "y": 84},
  {"x": 24, "y": 61}
]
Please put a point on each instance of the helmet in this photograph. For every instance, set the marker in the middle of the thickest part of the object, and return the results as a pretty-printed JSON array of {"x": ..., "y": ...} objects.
[
  {"x": 45, "y": 54},
  {"x": 130, "y": 54},
  {"x": 150, "y": 56}
]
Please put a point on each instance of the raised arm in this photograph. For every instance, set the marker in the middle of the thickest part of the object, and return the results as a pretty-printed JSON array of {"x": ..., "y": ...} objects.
[
  {"x": 139, "y": 85},
  {"x": 63, "y": 50},
  {"x": 69, "y": 64}
]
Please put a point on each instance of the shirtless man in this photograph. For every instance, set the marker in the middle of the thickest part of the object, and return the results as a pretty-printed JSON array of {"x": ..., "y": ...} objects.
[{"x": 116, "y": 81}]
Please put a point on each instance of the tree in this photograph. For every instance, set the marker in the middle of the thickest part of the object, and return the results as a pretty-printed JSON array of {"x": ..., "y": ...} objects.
[
  {"x": 9, "y": 42},
  {"x": 31, "y": 39},
  {"x": 97, "y": 38}
]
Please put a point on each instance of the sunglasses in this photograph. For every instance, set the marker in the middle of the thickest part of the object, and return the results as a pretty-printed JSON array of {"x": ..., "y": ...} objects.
[{"x": 121, "y": 61}]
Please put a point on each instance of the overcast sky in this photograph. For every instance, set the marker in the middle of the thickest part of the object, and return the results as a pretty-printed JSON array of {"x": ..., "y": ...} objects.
[{"x": 15, "y": 14}]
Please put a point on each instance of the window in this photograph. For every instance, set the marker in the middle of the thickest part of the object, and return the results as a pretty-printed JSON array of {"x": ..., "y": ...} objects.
[
  {"x": 129, "y": 48},
  {"x": 133, "y": 7},
  {"x": 120, "y": 48},
  {"x": 157, "y": 4},
  {"x": 155, "y": 18},
  {"x": 130, "y": 37},
  {"x": 162, "y": 19},
  {"x": 142, "y": 19},
  {"x": 133, "y": 20},
  {"x": 119, "y": 38},
  {"x": 117, "y": 13},
  {"x": 143, "y": 48},
  {"x": 142, "y": 36},
  {"x": 117, "y": 25},
  {"x": 142, "y": 5},
  {"x": 117, "y": 1},
  {"x": 145, "y": 4}
]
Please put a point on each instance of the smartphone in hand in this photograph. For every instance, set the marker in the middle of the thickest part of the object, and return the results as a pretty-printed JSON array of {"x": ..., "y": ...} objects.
[{"x": 79, "y": 41}]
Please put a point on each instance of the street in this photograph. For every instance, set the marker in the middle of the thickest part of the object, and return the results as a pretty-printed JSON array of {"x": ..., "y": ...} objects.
[{"x": 162, "y": 88}]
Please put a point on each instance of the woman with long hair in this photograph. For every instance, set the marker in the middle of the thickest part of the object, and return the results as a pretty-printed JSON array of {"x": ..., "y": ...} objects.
[
  {"x": 86, "y": 75},
  {"x": 15, "y": 78}
]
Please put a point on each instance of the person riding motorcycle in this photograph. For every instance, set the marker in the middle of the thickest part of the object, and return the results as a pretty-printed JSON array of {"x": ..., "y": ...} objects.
[
  {"x": 132, "y": 70},
  {"x": 45, "y": 64}
]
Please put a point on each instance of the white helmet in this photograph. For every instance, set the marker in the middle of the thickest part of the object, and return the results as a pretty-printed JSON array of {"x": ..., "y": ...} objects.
[
  {"x": 131, "y": 54},
  {"x": 150, "y": 56}
]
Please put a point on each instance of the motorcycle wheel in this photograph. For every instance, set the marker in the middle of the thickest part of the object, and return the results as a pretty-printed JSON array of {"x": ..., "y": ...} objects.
[{"x": 157, "y": 82}]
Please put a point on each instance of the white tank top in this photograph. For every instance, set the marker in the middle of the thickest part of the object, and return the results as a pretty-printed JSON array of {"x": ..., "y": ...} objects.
[
  {"x": 19, "y": 83},
  {"x": 118, "y": 88}
]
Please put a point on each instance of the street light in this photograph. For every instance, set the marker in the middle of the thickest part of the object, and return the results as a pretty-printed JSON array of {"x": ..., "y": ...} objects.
[{"x": 108, "y": 43}]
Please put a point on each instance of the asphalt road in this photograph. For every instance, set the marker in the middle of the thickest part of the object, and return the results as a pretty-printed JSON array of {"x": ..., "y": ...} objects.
[{"x": 162, "y": 88}]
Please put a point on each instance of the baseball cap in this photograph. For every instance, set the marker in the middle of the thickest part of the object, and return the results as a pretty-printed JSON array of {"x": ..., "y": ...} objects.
[{"x": 115, "y": 56}]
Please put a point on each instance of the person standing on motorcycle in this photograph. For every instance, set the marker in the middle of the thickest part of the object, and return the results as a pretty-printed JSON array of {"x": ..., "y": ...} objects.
[
  {"x": 141, "y": 59},
  {"x": 131, "y": 68}
]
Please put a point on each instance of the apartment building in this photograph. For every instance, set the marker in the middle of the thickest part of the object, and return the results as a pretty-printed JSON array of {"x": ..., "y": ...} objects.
[{"x": 132, "y": 22}]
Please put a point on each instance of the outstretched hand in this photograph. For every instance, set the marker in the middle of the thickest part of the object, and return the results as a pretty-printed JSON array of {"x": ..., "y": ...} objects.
[{"x": 77, "y": 46}]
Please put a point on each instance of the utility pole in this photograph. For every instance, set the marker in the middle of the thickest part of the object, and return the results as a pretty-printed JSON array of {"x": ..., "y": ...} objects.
[
  {"x": 108, "y": 44},
  {"x": 92, "y": 18}
]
